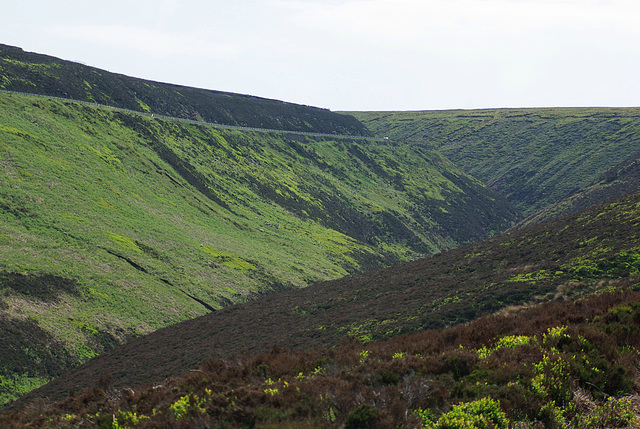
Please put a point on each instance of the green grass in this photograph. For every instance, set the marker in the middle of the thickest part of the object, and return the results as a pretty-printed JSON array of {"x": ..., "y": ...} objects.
[
  {"x": 159, "y": 221},
  {"x": 17, "y": 385},
  {"x": 533, "y": 157}
]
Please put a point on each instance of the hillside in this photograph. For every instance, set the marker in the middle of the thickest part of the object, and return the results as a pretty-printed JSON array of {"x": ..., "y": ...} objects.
[
  {"x": 532, "y": 157},
  {"x": 561, "y": 364},
  {"x": 619, "y": 180},
  {"x": 114, "y": 224},
  {"x": 41, "y": 74},
  {"x": 591, "y": 252}
]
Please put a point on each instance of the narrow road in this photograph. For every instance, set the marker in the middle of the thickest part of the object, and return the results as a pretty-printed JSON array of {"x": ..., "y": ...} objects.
[{"x": 191, "y": 121}]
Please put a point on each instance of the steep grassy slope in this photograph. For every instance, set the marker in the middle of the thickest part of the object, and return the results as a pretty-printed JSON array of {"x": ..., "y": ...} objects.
[
  {"x": 41, "y": 74},
  {"x": 114, "y": 224},
  {"x": 533, "y": 157},
  {"x": 593, "y": 251},
  {"x": 559, "y": 365},
  {"x": 621, "y": 179}
]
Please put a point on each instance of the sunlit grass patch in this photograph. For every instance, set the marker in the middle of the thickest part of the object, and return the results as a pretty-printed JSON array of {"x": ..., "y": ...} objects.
[
  {"x": 123, "y": 241},
  {"x": 229, "y": 259}
]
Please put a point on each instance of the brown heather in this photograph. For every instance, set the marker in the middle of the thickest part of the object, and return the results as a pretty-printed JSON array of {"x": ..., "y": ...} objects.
[{"x": 428, "y": 370}]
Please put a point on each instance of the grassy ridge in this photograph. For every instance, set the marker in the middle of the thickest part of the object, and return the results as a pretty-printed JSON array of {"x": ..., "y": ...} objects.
[
  {"x": 41, "y": 74},
  {"x": 533, "y": 157},
  {"x": 150, "y": 222},
  {"x": 591, "y": 252}
]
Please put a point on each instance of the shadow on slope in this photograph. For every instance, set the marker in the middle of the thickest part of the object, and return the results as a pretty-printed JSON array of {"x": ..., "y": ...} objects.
[
  {"x": 532, "y": 157},
  {"x": 567, "y": 258},
  {"x": 621, "y": 179}
]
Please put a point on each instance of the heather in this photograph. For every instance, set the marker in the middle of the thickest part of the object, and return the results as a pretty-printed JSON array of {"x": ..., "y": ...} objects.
[{"x": 560, "y": 364}]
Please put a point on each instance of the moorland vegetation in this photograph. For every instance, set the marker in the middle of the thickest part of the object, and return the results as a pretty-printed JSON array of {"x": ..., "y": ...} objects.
[
  {"x": 121, "y": 223},
  {"x": 532, "y": 157},
  {"x": 45, "y": 75},
  {"x": 572, "y": 258},
  {"x": 561, "y": 364},
  {"x": 155, "y": 221}
]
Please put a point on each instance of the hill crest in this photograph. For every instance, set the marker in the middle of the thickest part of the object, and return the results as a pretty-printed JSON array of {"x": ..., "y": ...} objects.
[
  {"x": 46, "y": 75},
  {"x": 532, "y": 157}
]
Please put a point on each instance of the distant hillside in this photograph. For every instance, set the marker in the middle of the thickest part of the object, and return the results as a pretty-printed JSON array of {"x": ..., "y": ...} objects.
[
  {"x": 114, "y": 224},
  {"x": 592, "y": 251},
  {"x": 533, "y": 157},
  {"x": 42, "y": 74},
  {"x": 621, "y": 179}
]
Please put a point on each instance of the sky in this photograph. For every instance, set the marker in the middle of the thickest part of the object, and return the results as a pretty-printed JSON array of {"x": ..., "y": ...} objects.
[{"x": 354, "y": 54}]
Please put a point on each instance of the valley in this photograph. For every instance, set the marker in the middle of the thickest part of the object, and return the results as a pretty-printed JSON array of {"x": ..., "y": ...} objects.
[
  {"x": 177, "y": 256},
  {"x": 155, "y": 221},
  {"x": 532, "y": 157}
]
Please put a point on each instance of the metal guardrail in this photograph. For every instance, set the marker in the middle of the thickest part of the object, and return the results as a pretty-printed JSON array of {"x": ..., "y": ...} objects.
[{"x": 192, "y": 121}]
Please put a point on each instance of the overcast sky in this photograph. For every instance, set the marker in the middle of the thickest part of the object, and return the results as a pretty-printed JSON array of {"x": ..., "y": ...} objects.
[{"x": 354, "y": 54}]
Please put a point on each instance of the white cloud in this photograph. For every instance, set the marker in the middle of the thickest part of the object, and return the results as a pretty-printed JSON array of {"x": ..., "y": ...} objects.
[
  {"x": 166, "y": 10},
  {"x": 407, "y": 20},
  {"x": 153, "y": 42},
  {"x": 359, "y": 54}
]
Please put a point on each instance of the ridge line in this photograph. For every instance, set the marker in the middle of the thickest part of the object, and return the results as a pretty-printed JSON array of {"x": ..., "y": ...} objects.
[{"x": 193, "y": 121}]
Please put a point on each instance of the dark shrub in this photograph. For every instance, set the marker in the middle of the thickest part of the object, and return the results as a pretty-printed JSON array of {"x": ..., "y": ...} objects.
[
  {"x": 362, "y": 417},
  {"x": 387, "y": 376},
  {"x": 460, "y": 363}
]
